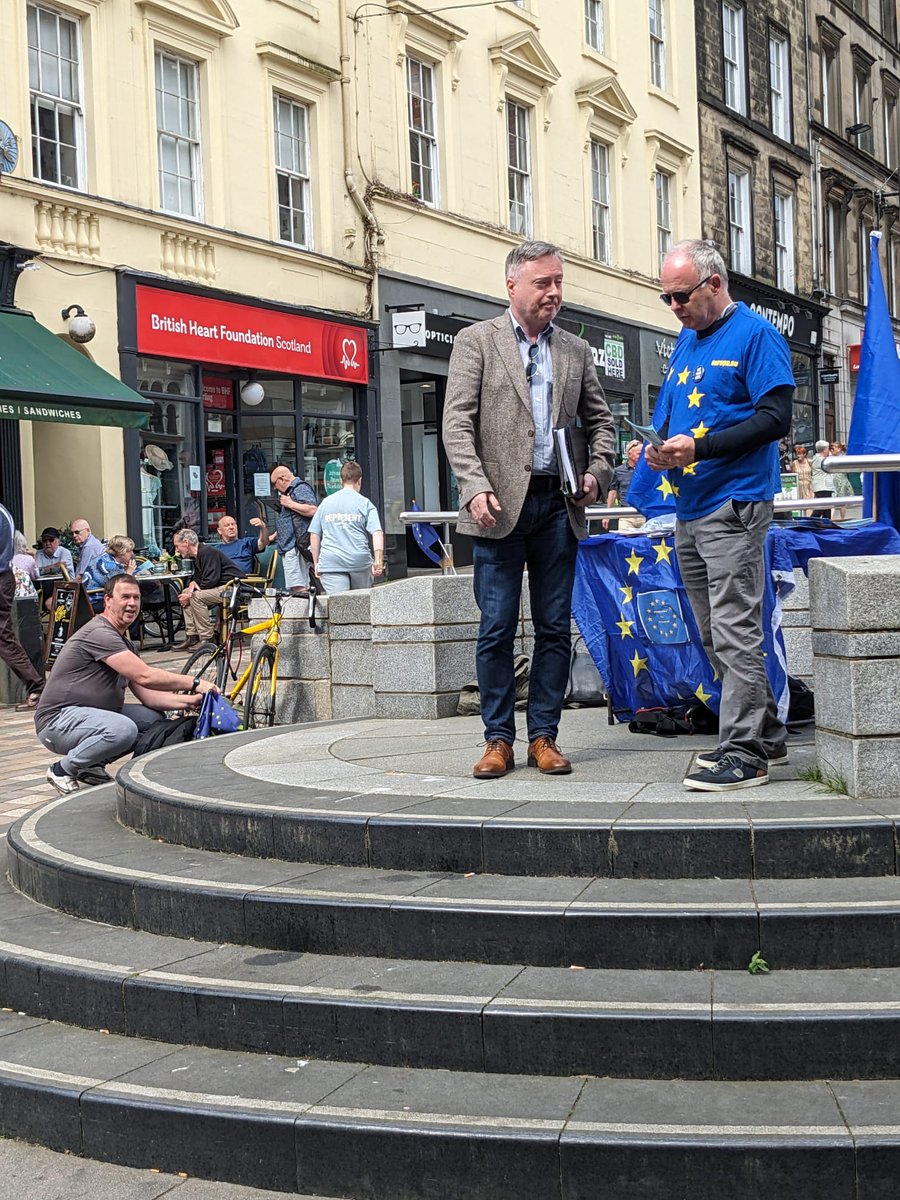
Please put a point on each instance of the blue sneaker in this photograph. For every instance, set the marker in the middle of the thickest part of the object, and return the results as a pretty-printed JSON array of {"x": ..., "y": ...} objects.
[
  {"x": 710, "y": 758},
  {"x": 729, "y": 774}
]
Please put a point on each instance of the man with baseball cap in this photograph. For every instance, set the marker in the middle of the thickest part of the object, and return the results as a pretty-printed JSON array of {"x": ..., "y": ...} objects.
[{"x": 51, "y": 555}]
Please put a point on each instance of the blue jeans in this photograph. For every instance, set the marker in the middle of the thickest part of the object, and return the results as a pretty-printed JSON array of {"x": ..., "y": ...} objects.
[{"x": 543, "y": 539}]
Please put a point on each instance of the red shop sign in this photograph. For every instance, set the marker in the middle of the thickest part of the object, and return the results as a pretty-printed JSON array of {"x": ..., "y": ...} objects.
[{"x": 203, "y": 329}]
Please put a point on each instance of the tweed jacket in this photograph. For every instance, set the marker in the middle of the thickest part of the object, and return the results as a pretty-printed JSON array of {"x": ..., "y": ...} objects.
[{"x": 488, "y": 425}]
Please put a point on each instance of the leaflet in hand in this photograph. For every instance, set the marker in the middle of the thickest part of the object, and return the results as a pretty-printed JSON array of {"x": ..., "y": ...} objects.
[
  {"x": 570, "y": 443},
  {"x": 645, "y": 432}
]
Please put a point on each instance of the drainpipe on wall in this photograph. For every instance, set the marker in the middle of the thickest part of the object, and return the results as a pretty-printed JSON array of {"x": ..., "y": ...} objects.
[{"x": 374, "y": 237}]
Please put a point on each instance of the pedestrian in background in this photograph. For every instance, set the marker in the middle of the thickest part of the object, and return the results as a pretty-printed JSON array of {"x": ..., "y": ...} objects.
[
  {"x": 11, "y": 649},
  {"x": 339, "y": 536},
  {"x": 512, "y": 381}
]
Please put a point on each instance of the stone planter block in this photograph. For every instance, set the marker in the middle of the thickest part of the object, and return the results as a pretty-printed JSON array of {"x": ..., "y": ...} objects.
[
  {"x": 857, "y": 697},
  {"x": 351, "y": 663},
  {"x": 869, "y": 767},
  {"x": 855, "y": 594}
]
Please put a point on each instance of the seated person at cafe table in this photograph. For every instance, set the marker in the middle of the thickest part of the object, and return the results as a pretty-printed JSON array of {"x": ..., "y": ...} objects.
[
  {"x": 89, "y": 547},
  {"x": 116, "y": 558},
  {"x": 213, "y": 571},
  {"x": 51, "y": 555},
  {"x": 242, "y": 550},
  {"x": 82, "y": 715}
]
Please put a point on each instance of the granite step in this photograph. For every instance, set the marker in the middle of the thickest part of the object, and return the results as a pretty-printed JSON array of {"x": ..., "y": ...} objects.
[
  {"x": 464, "y": 1017},
  {"x": 239, "y": 795},
  {"x": 389, "y": 1133},
  {"x": 73, "y": 855}
]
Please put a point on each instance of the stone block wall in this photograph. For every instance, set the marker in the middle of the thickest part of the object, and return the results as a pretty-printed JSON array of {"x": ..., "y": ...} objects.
[{"x": 855, "y": 612}]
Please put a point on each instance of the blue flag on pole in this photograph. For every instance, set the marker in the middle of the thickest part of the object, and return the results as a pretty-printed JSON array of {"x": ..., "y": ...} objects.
[
  {"x": 875, "y": 423},
  {"x": 426, "y": 537}
]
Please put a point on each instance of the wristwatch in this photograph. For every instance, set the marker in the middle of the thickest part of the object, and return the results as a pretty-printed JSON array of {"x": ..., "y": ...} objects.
[{"x": 195, "y": 683}]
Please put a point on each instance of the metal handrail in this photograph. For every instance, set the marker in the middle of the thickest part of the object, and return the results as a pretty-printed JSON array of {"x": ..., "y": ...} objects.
[
  {"x": 598, "y": 512},
  {"x": 842, "y": 463}
]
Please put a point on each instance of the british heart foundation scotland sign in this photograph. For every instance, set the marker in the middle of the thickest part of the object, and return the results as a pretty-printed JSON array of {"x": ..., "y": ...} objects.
[{"x": 203, "y": 329}]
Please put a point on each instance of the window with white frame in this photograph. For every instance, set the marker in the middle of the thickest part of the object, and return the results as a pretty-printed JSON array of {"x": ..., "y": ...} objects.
[
  {"x": 518, "y": 167},
  {"x": 292, "y": 171},
  {"x": 178, "y": 134},
  {"x": 663, "y": 215},
  {"x": 783, "y": 213},
  {"x": 780, "y": 84},
  {"x": 57, "y": 116},
  {"x": 657, "y": 14},
  {"x": 423, "y": 151},
  {"x": 739, "y": 232},
  {"x": 601, "y": 213},
  {"x": 734, "y": 56},
  {"x": 593, "y": 25}
]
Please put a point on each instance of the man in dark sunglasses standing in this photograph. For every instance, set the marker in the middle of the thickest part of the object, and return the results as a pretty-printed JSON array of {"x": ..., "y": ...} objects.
[
  {"x": 512, "y": 381},
  {"x": 725, "y": 405}
]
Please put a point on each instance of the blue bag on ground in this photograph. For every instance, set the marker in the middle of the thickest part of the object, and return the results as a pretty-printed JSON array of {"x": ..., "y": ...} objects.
[{"x": 216, "y": 716}]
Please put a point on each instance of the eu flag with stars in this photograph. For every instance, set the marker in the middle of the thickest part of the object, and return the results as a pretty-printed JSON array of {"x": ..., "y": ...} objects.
[
  {"x": 875, "y": 423},
  {"x": 631, "y": 607}
]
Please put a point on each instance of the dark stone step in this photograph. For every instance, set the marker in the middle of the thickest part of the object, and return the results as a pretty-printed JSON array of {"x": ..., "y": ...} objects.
[
  {"x": 190, "y": 796},
  {"x": 388, "y": 1133},
  {"x": 74, "y": 856},
  {"x": 469, "y": 1017}
]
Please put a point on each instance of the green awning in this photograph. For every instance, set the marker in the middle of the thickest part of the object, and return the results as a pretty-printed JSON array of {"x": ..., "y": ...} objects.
[{"x": 43, "y": 379}]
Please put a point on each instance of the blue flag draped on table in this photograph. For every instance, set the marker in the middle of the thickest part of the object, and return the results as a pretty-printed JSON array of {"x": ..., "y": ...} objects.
[
  {"x": 426, "y": 537},
  {"x": 875, "y": 424},
  {"x": 630, "y": 605}
]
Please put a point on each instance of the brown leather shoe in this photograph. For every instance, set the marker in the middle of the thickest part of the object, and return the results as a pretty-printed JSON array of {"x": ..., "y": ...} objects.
[
  {"x": 189, "y": 643},
  {"x": 496, "y": 760},
  {"x": 544, "y": 754}
]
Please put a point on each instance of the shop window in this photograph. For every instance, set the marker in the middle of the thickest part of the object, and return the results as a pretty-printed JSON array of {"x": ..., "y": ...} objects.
[
  {"x": 329, "y": 435},
  {"x": 171, "y": 474},
  {"x": 178, "y": 134},
  {"x": 57, "y": 116},
  {"x": 292, "y": 171}
]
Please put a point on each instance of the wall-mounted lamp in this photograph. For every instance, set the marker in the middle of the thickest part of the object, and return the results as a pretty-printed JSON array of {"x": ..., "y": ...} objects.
[
  {"x": 854, "y": 131},
  {"x": 252, "y": 393},
  {"x": 80, "y": 326}
]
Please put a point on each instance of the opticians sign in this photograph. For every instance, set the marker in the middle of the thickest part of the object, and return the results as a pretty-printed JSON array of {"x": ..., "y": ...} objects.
[{"x": 204, "y": 329}]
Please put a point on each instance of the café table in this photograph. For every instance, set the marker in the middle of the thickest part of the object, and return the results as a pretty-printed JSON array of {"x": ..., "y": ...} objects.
[{"x": 171, "y": 585}]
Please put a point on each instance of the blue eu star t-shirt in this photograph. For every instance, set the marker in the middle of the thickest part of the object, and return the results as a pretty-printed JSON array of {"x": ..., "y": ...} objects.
[{"x": 715, "y": 382}]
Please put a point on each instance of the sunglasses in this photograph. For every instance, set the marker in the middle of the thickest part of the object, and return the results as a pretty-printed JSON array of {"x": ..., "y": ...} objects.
[
  {"x": 682, "y": 297},
  {"x": 531, "y": 366}
]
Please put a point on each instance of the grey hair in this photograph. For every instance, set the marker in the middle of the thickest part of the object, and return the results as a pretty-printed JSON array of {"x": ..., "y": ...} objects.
[
  {"x": 527, "y": 252},
  {"x": 186, "y": 535},
  {"x": 20, "y": 542},
  {"x": 704, "y": 255}
]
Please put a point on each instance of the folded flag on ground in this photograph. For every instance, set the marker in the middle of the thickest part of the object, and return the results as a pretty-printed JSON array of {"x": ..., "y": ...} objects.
[{"x": 216, "y": 716}]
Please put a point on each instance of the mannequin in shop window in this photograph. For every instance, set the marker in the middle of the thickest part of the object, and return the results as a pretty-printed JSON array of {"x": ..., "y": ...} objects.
[{"x": 153, "y": 462}]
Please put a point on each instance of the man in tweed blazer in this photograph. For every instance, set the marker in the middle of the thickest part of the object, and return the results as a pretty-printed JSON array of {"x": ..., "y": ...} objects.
[{"x": 512, "y": 381}]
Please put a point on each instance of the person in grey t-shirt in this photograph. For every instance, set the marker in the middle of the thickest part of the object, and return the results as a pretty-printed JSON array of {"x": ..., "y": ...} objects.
[
  {"x": 339, "y": 536},
  {"x": 82, "y": 714}
]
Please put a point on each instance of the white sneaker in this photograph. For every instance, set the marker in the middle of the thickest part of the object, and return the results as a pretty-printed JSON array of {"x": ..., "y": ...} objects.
[{"x": 64, "y": 784}]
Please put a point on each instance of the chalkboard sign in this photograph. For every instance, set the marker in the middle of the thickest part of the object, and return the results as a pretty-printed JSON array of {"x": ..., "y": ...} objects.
[{"x": 70, "y": 610}]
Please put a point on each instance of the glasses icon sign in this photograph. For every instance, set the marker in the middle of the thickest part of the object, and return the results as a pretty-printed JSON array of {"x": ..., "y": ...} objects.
[{"x": 414, "y": 327}]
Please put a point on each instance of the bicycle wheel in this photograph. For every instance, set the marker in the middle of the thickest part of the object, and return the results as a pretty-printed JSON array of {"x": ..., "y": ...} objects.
[
  {"x": 259, "y": 696},
  {"x": 207, "y": 663}
]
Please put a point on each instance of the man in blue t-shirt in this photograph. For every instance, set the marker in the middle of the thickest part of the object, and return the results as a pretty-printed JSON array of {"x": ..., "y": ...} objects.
[
  {"x": 242, "y": 550},
  {"x": 339, "y": 536},
  {"x": 725, "y": 404}
]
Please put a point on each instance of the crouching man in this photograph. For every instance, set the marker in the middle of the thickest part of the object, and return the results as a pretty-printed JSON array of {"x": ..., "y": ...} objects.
[{"x": 82, "y": 714}]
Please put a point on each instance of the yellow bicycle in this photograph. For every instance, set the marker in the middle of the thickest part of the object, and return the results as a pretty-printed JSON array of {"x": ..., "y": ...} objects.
[{"x": 222, "y": 661}]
